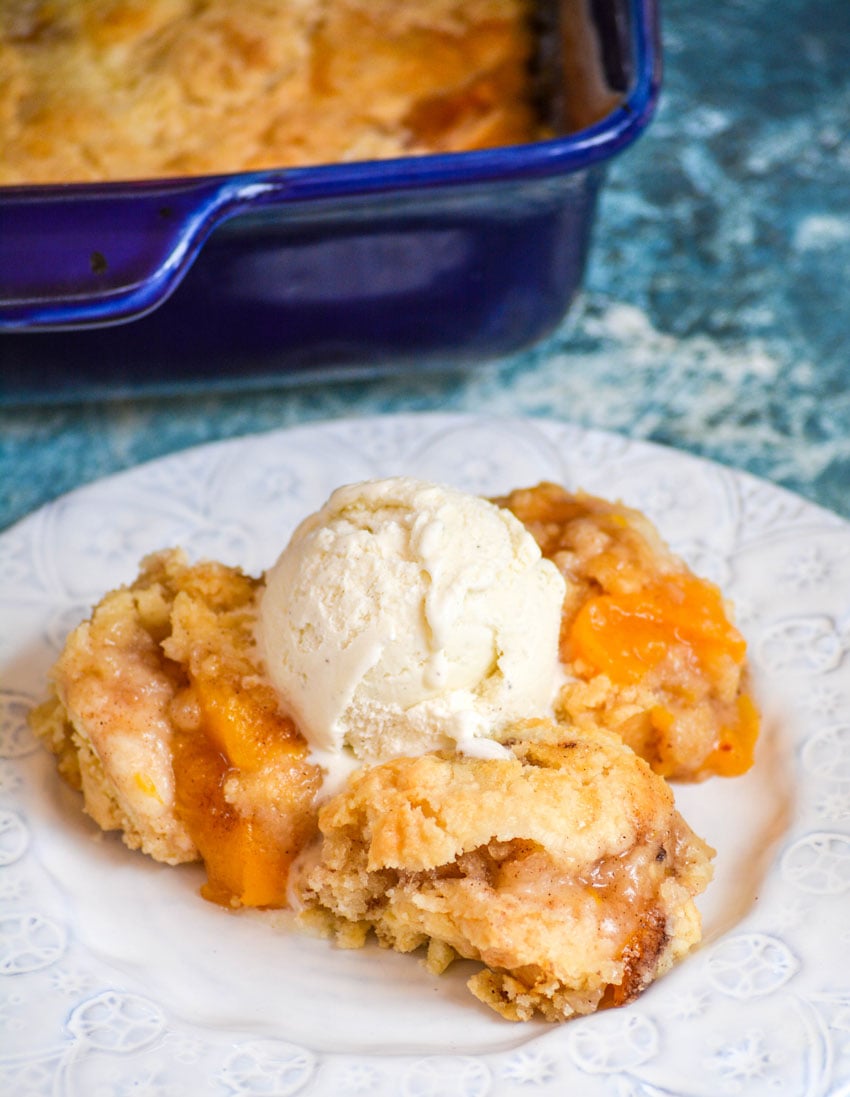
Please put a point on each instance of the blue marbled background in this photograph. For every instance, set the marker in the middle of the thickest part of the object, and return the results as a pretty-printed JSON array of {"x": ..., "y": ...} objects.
[{"x": 717, "y": 304}]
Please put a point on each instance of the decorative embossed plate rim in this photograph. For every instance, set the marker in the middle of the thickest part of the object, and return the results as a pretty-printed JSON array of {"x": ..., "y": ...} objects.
[{"x": 93, "y": 998}]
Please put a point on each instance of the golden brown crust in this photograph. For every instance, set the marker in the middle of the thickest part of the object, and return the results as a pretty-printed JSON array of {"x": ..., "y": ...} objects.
[
  {"x": 109, "y": 721},
  {"x": 117, "y": 89},
  {"x": 564, "y": 868}
]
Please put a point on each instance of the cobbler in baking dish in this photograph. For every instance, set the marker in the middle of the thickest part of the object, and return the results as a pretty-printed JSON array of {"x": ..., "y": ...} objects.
[{"x": 97, "y": 90}]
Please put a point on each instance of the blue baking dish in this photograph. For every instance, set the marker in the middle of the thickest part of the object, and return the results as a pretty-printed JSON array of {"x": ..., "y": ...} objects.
[{"x": 259, "y": 276}]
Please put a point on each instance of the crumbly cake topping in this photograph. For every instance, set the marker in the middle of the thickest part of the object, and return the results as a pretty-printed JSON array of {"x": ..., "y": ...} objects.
[
  {"x": 117, "y": 89},
  {"x": 565, "y": 869}
]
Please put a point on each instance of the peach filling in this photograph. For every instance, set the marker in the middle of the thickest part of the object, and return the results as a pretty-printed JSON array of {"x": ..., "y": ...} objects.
[
  {"x": 242, "y": 742},
  {"x": 626, "y": 635},
  {"x": 629, "y": 635}
]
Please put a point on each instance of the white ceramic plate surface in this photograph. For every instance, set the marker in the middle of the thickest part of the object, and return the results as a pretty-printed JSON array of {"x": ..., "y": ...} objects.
[{"x": 117, "y": 979}]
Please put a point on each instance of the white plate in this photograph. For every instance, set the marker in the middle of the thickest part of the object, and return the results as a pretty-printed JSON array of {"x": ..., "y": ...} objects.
[{"x": 116, "y": 978}]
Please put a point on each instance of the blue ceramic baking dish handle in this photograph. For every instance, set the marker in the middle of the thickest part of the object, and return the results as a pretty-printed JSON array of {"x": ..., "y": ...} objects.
[
  {"x": 91, "y": 255},
  {"x": 83, "y": 255}
]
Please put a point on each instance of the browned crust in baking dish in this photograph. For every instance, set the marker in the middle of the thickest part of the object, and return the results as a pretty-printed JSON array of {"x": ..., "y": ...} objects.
[{"x": 94, "y": 90}]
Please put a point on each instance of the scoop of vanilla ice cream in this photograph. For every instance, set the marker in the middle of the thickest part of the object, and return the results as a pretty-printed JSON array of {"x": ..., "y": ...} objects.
[{"x": 405, "y": 616}]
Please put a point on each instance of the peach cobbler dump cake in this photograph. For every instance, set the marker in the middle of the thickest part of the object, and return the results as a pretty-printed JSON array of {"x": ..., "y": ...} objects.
[
  {"x": 544, "y": 847},
  {"x": 96, "y": 90},
  {"x": 650, "y": 648},
  {"x": 161, "y": 717},
  {"x": 564, "y": 867}
]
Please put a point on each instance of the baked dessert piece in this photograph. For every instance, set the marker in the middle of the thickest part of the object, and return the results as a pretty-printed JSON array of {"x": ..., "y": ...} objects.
[
  {"x": 160, "y": 717},
  {"x": 650, "y": 649},
  {"x": 122, "y": 89},
  {"x": 563, "y": 867},
  {"x": 161, "y": 713}
]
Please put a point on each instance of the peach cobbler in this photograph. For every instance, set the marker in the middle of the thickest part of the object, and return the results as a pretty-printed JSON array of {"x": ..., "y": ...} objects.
[
  {"x": 438, "y": 719},
  {"x": 95, "y": 90},
  {"x": 649, "y": 647},
  {"x": 563, "y": 867}
]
